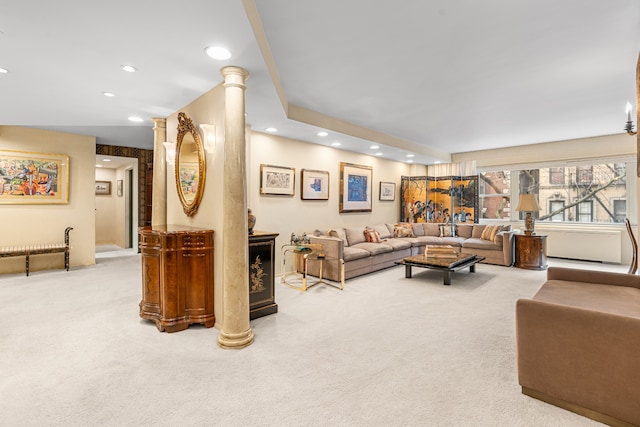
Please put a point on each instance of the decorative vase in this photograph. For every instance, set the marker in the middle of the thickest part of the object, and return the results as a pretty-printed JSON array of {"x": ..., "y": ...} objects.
[{"x": 251, "y": 220}]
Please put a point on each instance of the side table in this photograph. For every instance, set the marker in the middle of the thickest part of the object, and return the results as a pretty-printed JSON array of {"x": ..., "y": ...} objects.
[{"x": 531, "y": 251}]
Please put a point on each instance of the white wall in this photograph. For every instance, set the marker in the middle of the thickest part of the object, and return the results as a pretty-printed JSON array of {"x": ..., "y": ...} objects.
[
  {"x": 32, "y": 224},
  {"x": 108, "y": 228}
]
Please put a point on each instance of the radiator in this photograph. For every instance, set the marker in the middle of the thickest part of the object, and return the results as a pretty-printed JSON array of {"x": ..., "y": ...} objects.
[{"x": 583, "y": 243}]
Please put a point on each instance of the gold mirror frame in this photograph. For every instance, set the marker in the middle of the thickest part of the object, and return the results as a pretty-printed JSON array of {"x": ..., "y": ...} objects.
[{"x": 185, "y": 126}]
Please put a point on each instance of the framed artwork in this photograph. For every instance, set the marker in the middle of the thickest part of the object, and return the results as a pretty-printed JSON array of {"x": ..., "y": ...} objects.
[
  {"x": 33, "y": 178},
  {"x": 442, "y": 199},
  {"x": 277, "y": 180},
  {"x": 355, "y": 188},
  {"x": 387, "y": 191},
  {"x": 119, "y": 187},
  {"x": 314, "y": 185},
  {"x": 103, "y": 188}
]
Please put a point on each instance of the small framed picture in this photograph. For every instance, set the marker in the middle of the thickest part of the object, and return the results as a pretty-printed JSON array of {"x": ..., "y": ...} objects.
[
  {"x": 103, "y": 188},
  {"x": 119, "y": 187},
  {"x": 314, "y": 185},
  {"x": 277, "y": 180},
  {"x": 387, "y": 191},
  {"x": 355, "y": 188}
]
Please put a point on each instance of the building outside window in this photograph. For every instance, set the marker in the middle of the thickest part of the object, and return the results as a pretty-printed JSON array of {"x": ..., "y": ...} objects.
[{"x": 585, "y": 193}]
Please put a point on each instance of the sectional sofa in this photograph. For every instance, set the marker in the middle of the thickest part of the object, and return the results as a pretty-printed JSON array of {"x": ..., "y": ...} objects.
[{"x": 364, "y": 251}]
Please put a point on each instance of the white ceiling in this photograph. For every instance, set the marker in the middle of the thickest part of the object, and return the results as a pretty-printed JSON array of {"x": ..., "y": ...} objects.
[{"x": 424, "y": 77}]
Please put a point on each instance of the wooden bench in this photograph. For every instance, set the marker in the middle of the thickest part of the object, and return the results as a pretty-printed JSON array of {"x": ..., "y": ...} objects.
[{"x": 48, "y": 248}]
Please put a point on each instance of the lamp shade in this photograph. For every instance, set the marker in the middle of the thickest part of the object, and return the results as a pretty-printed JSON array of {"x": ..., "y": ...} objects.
[{"x": 528, "y": 203}]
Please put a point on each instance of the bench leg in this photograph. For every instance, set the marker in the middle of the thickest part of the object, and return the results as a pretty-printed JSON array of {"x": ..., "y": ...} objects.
[
  {"x": 66, "y": 260},
  {"x": 27, "y": 267}
]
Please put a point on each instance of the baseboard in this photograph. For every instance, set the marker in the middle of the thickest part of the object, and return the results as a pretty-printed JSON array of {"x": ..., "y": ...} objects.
[{"x": 594, "y": 415}]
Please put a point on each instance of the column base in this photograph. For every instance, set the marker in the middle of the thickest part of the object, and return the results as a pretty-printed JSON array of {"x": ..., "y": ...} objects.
[{"x": 235, "y": 341}]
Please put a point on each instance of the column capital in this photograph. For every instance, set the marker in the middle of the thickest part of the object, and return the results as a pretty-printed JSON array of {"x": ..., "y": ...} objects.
[
  {"x": 159, "y": 123},
  {"x": 234, "y": 76}
]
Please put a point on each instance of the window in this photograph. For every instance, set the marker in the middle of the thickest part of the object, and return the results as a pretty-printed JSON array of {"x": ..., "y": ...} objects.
[
  {"x": 620, "y": 210},
  {"x": 584, "y": 175},
  {"x": 557, "y": 205},
  {"x": 573, "y": 193},
  {"x": 556, "y": 176},
  {"x": 585, "y": 211},
  {"x": 494, "y": 195}
]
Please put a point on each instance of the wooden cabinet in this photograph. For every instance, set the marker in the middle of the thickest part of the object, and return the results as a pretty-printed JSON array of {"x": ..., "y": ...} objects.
[
  {"x": 261, "y": 274},
  {"x": 177, "y": 276},
  {"x": 531, "y": 251}
]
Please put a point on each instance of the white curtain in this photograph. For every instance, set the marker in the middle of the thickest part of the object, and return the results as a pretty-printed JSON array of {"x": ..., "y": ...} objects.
[{"x": 452, "y": 169}]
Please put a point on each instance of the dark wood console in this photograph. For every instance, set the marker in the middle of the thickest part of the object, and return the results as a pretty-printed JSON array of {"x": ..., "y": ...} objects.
[
  {"x": 261, "y": 274},
  {"x": 177, "y": 276},
  {"x": 531, "y": 251}
]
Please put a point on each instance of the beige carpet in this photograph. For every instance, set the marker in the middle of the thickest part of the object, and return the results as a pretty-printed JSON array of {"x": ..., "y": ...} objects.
[{"x": 386, "y": 351}]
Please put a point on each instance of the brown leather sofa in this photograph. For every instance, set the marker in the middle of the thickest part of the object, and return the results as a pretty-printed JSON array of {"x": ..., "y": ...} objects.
[{"x": 578, "y": 344}]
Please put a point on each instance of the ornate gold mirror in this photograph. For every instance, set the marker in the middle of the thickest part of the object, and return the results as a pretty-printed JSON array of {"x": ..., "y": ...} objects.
[{"x": 190, "y": 165}]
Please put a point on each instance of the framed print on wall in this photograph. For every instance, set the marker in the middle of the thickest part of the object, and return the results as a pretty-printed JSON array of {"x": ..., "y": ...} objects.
[
  {"x": 33, "y": 178},
  {"x": 355, "y": 188},
  {"x": 387, "y": 191},
  {"x": 103, "y": 188},
  {"x": 314, "y": 185},
  {"x": 277, "y": 180}
]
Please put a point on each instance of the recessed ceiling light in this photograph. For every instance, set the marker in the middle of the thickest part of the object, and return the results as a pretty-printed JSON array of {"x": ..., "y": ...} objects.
[
  {"x": 3, "y": 71},
  {"x": 106, "y": 160},
  {"x": 411, "y": 155},
  {"x": 135, "y": 119},
  {"x": 271, "y": 130},
  {"x": 218, "y": 52},
  {"x": 409, "y": 161},
  {"x": 323, "y": 133},
  {"x": 374, "y": 147},
  {"x": 128, "y": 68},
  {"x": 378, "y": 154},
  {"x": 98, "y": 166},
  {"x": 437, "y": 162},
  {"x": 336, "y": 144},
  {"x": 108, "y": 94}
]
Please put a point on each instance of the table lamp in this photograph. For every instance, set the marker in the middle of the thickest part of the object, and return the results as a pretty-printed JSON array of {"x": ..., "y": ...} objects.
[{"x": 528, "y": 203}]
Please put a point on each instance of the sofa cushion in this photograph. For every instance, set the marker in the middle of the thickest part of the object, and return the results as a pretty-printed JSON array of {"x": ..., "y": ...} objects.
[
  {"x": 371, "y": 235},
  {"x": 620, "y": 300},
  {"x": 355, "y": 235},
  {"x": 431, "y": 229},
  {"x": 477, "y": 231},
  {"x": 374, "y": 248},
  {"x": 340, "y": 234},
  {"x": 402, "y": 229},
  {"x": 464, "y": 230},
  {"x": 382, "y": 230},
  {"x": 418, "y": 229},
  {"x": 453, "y": 241},
  {"x": 350, "y": 254},
  {"x": 403, "y": 243},
  {"x": 474, "y": 243}
]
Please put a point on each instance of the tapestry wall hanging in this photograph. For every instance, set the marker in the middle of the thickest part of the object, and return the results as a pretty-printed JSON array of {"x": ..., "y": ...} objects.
[{"x": 439, "y": 199}]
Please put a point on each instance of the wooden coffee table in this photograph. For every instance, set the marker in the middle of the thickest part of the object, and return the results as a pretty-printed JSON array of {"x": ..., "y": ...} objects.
[{"x": 446, "y": 265}]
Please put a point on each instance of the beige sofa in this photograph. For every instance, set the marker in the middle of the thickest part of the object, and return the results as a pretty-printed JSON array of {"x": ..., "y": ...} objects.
[
  {"x": 578, "y": 344},
  {"x": 362, "y": 257}
]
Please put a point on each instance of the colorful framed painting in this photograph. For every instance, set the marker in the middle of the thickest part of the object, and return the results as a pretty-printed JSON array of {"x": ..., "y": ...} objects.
[
  {"x": 387, "y": 191},
  {"x": 103, "y": 188},
  {"x": 33, "y": 178},
  {"x": 314, "y": 185},
  {"x": 277, "y": 180},
  {"x": 355, "y": 188}
]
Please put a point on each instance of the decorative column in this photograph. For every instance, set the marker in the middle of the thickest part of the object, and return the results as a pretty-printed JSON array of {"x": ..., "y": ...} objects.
[
  {"x": 159, "y": 197},
  {"x": 236, "y": 331}
]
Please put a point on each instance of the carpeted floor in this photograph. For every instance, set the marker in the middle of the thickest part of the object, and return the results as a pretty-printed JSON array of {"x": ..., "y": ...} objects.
[{"x": 386, "y": 351}]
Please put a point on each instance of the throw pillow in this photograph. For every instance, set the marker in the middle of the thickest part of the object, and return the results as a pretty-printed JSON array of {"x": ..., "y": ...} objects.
[
  {"x": 490, "y": 231},
  {"x": 355, "y": 236},
  {"x": 382, "y": 230},
  {"x": 447, "y": 230},
  {"x": 402, "y": 229},
  {"x": 371, "y": 235}
]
